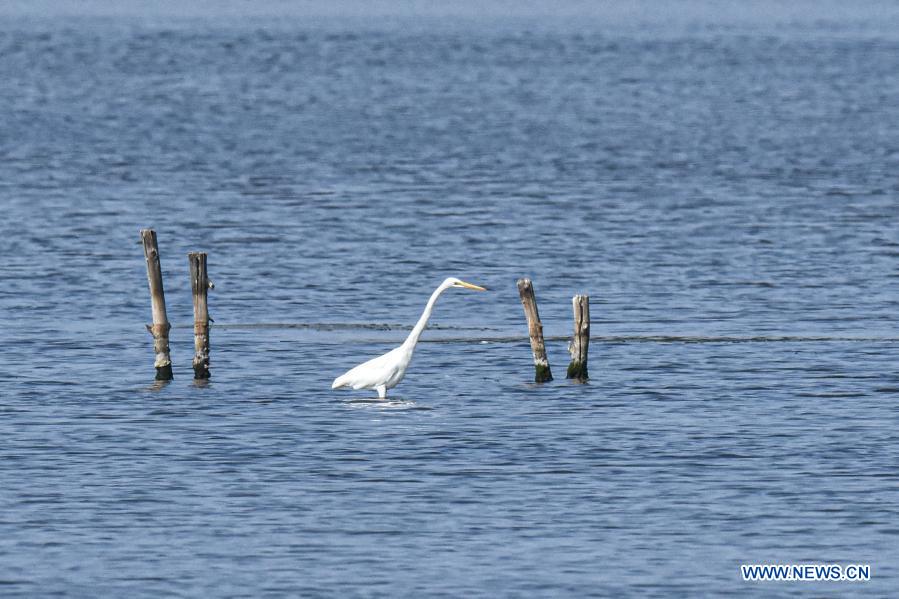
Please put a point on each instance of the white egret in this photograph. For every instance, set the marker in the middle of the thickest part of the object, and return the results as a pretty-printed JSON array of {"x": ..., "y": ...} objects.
[{"x": 385, "y": 372}]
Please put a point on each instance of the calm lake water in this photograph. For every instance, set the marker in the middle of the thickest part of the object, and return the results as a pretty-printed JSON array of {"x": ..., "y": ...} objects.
[{"x": 726, "y": 192}]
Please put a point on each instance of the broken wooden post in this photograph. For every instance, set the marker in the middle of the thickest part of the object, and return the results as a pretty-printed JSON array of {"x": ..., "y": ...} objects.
[
  {"x": 577, "y": 369},
  {"x": 199, "y": 285},
  {"x": 542, "y": 372},
  {"x": 160, "y": 327}
]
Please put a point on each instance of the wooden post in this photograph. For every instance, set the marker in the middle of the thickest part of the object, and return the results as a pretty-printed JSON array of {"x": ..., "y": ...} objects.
[
  {"x": 199, "y": 285},
  {"x": 160, "y": 327},
  {"x": 542, "y": 372},
  {"x": 577, "y": 369}
]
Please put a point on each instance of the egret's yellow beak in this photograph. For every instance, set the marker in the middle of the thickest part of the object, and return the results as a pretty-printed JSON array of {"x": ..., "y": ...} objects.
[{"x": 470, "y": 286}]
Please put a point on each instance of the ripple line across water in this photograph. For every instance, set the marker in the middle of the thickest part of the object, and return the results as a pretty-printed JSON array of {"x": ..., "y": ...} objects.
[{"x": 331, "y": 326}]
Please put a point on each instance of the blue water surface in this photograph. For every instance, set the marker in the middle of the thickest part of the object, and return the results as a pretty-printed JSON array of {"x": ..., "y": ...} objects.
[{"x": 724, "y": 189}]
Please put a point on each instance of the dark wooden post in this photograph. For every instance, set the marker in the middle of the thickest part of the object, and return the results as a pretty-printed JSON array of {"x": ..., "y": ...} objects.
[
  {"x": 199, "y": 285},
  {"x": 577, "y": 369},
  {"x": 160, "y": 327},
  {"x": 542, "y": 372}
]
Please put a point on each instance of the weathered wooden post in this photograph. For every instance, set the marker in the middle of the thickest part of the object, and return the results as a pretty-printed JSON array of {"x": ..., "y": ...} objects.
[
  {"x": 199, "y": 285},
  {"x": 160, "y": 327},
  {"x": 577, "y": 369},
  {"x": 542, "y": 372}
]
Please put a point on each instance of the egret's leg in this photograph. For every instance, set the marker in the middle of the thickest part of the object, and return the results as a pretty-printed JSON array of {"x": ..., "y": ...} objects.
[{"x": 382, "y": 391}]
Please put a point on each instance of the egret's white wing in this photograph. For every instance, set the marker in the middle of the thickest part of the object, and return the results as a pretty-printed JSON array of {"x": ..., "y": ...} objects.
[{"x": 369, "y": 375}]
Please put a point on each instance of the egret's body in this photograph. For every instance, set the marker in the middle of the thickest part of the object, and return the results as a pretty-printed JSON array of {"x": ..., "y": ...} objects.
[{"x": 385, "y": 372}]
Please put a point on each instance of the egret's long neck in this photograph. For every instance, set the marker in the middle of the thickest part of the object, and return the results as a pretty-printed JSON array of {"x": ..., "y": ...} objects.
[{"x": 412, "y": 339}]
